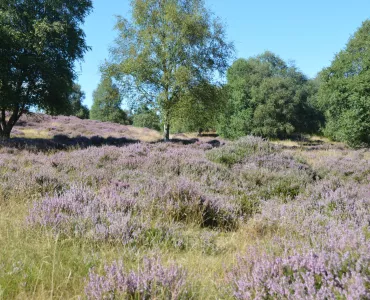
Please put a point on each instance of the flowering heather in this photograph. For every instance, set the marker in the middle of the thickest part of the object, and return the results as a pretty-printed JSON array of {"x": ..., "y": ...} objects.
[
  {"x": 81, "y": 213},
  {"x": 310, "y": 276},
  {"x": 152, "y": 281},
  {"x": 298, "y": 219}
]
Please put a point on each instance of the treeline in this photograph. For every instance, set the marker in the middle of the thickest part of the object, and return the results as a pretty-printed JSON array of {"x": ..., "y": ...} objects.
[
  {"x": 173, "y": 67},
  {"x": 262, "y": 95}
]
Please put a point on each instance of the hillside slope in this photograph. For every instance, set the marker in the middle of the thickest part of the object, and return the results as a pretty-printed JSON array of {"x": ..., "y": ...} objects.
[{"x": 47, "y": 127}]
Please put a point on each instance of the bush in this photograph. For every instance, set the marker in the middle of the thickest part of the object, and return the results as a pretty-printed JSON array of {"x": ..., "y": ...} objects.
[
  {"x": 302, "y": 276},
  {"x": 235, "y": 152},
  {"x": 147, "y": 119},
  {"x": 152, "y": 281}
]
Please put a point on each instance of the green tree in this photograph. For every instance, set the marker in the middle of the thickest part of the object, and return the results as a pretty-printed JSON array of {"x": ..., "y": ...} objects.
[
  {"x": 267, "y": 97},
  {"x": 40, "y": 42},
  {"x": 146, "y": 117},
  {"x": 344, "y": 94},
  {"x": 170, "y": 46},
  {"x": 76, "y": 98},
  {"x": 107, "y": 103},
  {"x": 199, "y": 109},
  {"x": 74, "y": 106}
]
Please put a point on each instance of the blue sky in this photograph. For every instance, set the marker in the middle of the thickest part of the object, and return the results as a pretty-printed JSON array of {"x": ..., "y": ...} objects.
[{"x": 306, "y": 32}]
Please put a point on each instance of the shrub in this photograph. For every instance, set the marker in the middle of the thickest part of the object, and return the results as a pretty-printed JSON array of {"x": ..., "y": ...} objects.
[
  {"x": 235, "y": 152},
  {"x": 148, "y": 119},
  {"x": 152, "y": 281},
  {"x": 302, "y": 276},
  {"x": 80, "y": 212}
]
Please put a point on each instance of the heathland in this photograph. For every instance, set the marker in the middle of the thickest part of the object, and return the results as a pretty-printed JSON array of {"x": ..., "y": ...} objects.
[{"x": 126, "y": 217}]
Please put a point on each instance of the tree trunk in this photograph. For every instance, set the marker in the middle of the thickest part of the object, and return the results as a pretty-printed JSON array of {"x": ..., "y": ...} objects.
[
  {"x": 4, "y": 135},
  {"x": 166, "y": 135},
  {"x": 200, "y": 131},
  {"x": 7, "y": 126}
]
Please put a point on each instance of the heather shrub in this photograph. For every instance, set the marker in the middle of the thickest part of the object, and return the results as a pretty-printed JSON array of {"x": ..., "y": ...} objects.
[
  {"x": 184, "y": 201},
  {"x": 151, "y": 281},
  {"x": 79, "y": 212},
  {"x": 249, "y": 204},
  {"x": 273, "y": 175},
  {"x": 119, "y": 212},
  {"x": 235, "y": 152},
  {"x": 325, "y": 275},
  {"x": 349, "y": 167}
]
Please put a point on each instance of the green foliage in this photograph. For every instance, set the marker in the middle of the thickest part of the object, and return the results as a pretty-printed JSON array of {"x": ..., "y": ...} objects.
[
  {"x": 40, "y": 42},
  {"x": 76, "y": 98},
  {"x": 237, "y": 151},
  {"x": 145, "y": 117},
  {"x": 170, "y": 47},
  {"x": 74, "y": 106},
  {"x": 199, "y": 109},
  {"x": 344, "y": 93},
  {"x": 234, "y": 124},
  {"x": 268, "y": 97},
  {"x": 107, "y": 103}
]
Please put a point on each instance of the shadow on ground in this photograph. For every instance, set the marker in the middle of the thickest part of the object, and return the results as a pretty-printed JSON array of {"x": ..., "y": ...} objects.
[{"x": 63, "y": 142}]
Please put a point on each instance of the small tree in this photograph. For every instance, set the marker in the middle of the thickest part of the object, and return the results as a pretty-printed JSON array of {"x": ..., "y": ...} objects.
[
  {"x": 76, "y": 98},
  {"x": 344, "y": 95},
  {"x": 107, "y": 103},
  {"x": 40, "y": 42},
  {"x": 170, "y": 47}
]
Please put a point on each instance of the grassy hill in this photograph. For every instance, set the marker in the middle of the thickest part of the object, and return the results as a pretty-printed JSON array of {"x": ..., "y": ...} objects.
[{"x": 44, "y": 126}]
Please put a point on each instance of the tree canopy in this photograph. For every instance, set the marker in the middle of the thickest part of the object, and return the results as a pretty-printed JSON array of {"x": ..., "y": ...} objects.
[
  {"x": 40, "y": 42},
  {"x": 169, "y": 47},
  {"x": 344, "y": 95},
  {"x": 267, "y": 97},
  {"x": 198, "y": 110}
]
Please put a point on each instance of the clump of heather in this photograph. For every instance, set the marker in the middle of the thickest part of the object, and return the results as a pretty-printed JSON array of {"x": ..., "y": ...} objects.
[
  {"x": 120, "y": 211},
  {"x": 152, "y": 281},
  {"x": 330, "y": 215},
  {"x": 323, "y": 275},
  {"x": 81, "y": 213},
  {"x": 273, "y": 175},
  {"x": 237, "y": 151},
  {"x": 351, "y": 166},
  {"x": 186, "y": 201}
]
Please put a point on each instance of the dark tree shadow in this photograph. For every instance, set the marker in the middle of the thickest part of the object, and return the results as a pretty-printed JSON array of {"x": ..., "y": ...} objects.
[
  {"x": 63, "y": 142},
  {"x": 214, "y": 143},
  {"x": 214, "y": 135},
  {"x": 182, "y": 141}
]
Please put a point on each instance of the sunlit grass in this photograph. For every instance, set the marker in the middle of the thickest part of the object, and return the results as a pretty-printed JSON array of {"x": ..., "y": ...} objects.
[
  {"x": 35, "y": 133},
  {"x": 36, "y": 264}
]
